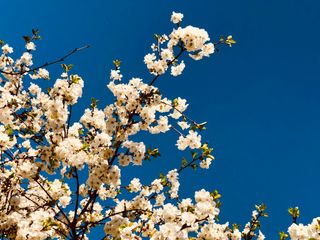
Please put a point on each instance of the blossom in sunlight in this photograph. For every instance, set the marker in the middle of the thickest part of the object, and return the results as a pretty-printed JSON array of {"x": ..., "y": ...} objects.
[
  {"x": 177, "y": 70},
  {"x": 63, "y": 177},
  {"x": 176, "y": 17}
]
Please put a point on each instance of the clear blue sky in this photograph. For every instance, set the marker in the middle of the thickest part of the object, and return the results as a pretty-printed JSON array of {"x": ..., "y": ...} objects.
[{"x": 261, "y": 98}]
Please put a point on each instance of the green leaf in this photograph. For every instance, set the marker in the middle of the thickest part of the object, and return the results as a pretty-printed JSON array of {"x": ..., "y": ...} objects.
[
  {"x": 194, "y": 166},
  {"x": 85, "y": 146},
  {"x": 75, "y": 78},
  {"x": 70, "y": 66},
  {"x": 261, "y": 208},
  {"x": 230, "y": 41},
  {"x": 35, "y": 31},
  {"x": 80, "y": 131},
  {"x": 206, "y": 151},
  {"x": 201, "y": 126},
  {"x": 215, "y": 195},
  {"x": 117, "y": 63},
  {"x": 37, "y": 37},
  {"x": 283, "y": 235},
  {"x": 66, "y": 68},
  {"x": 175, "y": 102},
  {"x": 294, "y": 212},
  {"x": 235, "y": 226},
  {"x": 94, "y": 103},
  {"x": 194, "y": 154},
  {"x": 9, "y": 130},
  {"x": 154, "y": 152},
  {"x": 184, "y": 162},
  {"x": 164, "y": 180}
]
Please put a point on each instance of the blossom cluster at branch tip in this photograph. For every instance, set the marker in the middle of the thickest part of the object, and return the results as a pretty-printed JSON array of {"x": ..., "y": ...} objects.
[{"x": 191, "y": 39}]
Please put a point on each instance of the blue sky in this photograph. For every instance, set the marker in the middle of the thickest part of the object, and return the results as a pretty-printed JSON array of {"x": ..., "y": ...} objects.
[{"x": 261, "y": 98}]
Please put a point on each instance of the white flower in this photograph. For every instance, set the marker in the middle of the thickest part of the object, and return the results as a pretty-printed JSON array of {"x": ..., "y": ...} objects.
[
  {"x": 30, "y": 46},
  {"x": 182, "y": 143},
  {"x": 202, "y": 196},
  {"x": 176, "y": 17},
  {"x": 43, "y": 73},
  {"x": 156, "y": 67},
  {"x": 184, "y": 125},
  {"x": 167, "y": 54},
  {"x": 177, "y": 111},
  {"x": 64, "y": 75},
  {"x": 26, "y": 58},
  {"x": 6, "y": 49},
  {"x": 173, "y": 175},
  {"x": 260, "y": 236},
  {"x": 205, "y": 163},
  {"x": 254, "y": 213},
  {"x": 163, "y": 126},
  {"x": 149, "y": 58},
  {"x": 27, "y": 169},
  {"x": 195, "y": 41},
  {"x": 300, "y": 231},
  {"x": 156, "y": 185},
  {"x": 74, "y": 129},
  {"x": 177, "y": 70},
  {"x": 94, "y": 118},
  {"x": 26, "y": 144},
  {"x": 160, "y": 199},
  {"x": 135, "y": 185},
  {"x": 5, "y": 141},
  {"x": 34, "y": 89},
  {"x": 192, "y": 140},
  {"x": 101, "y": 140},
  {"x": 170, "y": 212},
  {"x": 64, "y": 201},
  {"x": 115, "y": 75},
  {"x": 207, "y": 49},
  {"x": 138, "y": 149}
]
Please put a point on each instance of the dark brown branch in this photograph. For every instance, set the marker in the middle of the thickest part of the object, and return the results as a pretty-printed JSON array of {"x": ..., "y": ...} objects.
[
  {"x": 60, "y": 209},
  {"x": 47, "y": 63},
  {"x": 77, "y": 196}
]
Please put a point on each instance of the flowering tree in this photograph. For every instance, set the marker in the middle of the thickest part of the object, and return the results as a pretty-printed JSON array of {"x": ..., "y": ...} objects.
[{"x": 61, "y": 180}]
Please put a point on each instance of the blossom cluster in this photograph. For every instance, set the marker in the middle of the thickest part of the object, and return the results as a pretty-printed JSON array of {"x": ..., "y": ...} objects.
[
  {"x": 194, "y": 40},
  {"x": 309, "y": 231},
  {"x": 60, "y": 179}
]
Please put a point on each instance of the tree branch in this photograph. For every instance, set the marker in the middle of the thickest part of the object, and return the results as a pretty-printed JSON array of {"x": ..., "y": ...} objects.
[{"x": 47, "y": 63}]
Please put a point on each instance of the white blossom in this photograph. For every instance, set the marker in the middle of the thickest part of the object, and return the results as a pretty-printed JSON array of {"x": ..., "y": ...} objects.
[
  {"x": 6, "y": 49},
  {"x": 176, "y": 17},
  {"x": 177, "y": 70},
  {"x": 31, "y": 46}
]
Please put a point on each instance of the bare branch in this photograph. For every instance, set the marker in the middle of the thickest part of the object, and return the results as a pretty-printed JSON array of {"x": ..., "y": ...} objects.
[{"x": 47, "y": 63}]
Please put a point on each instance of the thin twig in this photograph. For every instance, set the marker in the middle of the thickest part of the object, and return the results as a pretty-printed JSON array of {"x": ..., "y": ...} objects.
[
  {"x": 62, "y": 212},
  {"x": 184, "y": 115},
  {"x": 47, "y": 63}
]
